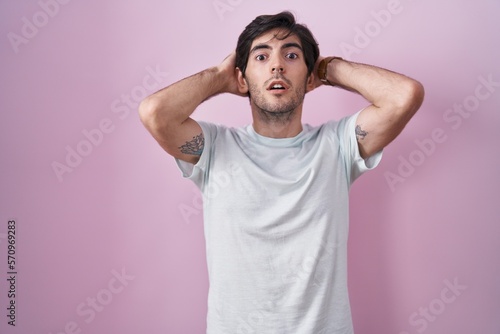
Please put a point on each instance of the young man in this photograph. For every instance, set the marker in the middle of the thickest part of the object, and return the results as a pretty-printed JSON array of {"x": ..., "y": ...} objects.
[{"x": 276, "y": 191}]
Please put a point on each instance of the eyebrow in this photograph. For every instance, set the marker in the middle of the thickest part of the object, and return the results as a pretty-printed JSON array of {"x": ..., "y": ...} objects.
[{"x": 284, "y": 46}]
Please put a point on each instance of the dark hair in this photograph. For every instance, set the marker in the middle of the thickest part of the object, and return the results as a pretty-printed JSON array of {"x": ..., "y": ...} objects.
[{"x": 264, "y": 23}]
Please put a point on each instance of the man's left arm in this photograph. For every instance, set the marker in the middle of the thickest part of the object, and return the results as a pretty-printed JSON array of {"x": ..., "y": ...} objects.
[{"x": 394, "y": 99}]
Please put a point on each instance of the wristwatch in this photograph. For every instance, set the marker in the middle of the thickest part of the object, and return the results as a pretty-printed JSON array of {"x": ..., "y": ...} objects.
[{"x": 322, "y": 69}]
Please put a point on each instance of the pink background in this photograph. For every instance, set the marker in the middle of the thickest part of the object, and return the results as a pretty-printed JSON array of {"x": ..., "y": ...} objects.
[{"x": 124, "y": 208}]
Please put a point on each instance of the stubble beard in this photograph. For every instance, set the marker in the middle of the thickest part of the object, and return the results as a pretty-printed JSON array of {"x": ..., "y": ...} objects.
[{"x": 280, "y": 112}]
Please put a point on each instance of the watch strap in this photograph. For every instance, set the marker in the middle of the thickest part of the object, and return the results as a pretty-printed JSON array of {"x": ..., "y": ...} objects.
[{"x": 322, "y": 69}]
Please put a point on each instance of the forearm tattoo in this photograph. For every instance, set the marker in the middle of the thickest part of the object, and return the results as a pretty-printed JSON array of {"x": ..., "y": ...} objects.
[
  {"x": 360, "y": 134},
  {"x": 195, "y": 146}
]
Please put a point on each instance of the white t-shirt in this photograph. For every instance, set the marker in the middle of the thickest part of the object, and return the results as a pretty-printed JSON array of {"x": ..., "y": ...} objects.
[{"x": 276, "y": 216}]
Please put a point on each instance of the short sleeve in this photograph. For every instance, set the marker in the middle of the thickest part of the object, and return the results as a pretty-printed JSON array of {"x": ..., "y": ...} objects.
[
  {"x": 355, "y": 164},
  {"x": 197, "y": 172}
]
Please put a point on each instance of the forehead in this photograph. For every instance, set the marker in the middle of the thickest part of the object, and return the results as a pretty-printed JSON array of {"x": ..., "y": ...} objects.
[{"x": 276, "y": 37}]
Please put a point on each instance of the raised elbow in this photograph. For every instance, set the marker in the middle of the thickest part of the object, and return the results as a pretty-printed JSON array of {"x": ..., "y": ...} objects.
[
  {"x": 150, "y": 114},
  {"x": 414, "y": 95},
  {"x": 146, "y": 110},
  {"x": 410, "y": 96}
]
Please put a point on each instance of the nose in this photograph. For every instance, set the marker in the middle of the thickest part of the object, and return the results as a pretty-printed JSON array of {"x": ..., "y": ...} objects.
[{"x": 276, "y": 63}]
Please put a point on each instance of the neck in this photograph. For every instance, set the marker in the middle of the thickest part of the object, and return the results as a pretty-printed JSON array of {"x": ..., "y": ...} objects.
[{"x": 271, "y": 125}]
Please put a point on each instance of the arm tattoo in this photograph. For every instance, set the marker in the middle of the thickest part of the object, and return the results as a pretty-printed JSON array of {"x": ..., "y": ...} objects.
[
  {"x": 195, "y": 146},
  {"x": 360, "y": 134}
]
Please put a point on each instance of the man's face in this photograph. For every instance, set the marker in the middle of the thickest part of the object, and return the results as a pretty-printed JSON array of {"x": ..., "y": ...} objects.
[{"x": 276, "y": 75}]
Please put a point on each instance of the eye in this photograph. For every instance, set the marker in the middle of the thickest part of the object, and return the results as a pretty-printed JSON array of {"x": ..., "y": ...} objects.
[
  {"x": 292, "y": 55},
  {"x": 260, "y": 57}
]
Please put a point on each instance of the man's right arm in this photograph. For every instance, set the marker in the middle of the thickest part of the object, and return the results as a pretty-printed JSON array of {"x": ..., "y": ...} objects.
[{"x": 166, "y": 113}]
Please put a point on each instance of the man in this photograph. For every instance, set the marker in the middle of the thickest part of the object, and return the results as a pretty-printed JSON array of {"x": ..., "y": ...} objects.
[{"x": 276, "y": 191}]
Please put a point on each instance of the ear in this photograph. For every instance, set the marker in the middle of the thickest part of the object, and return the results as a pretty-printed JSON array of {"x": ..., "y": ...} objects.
[
  {"x": 242, "y": 82},
  {"x": 311, "y": 82}
]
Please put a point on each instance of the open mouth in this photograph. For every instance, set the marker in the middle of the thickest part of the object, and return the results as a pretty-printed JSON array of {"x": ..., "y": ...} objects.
[{"x": 277, "y": 85}]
